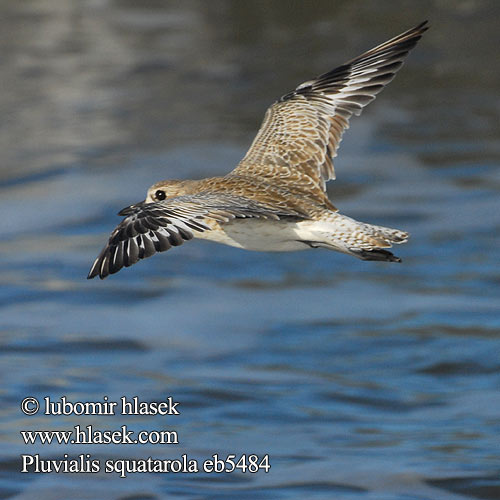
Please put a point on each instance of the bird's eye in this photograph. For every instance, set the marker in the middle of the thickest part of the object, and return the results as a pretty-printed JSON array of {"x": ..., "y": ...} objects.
[{"x": 160, "y": 195}]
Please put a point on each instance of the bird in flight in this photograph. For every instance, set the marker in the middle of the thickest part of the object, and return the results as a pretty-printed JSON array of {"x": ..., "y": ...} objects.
[{"x": 275, "y": 199}]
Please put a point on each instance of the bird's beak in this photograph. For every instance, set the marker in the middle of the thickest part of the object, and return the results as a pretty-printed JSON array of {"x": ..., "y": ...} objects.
[{"x": 130, "y": 210}]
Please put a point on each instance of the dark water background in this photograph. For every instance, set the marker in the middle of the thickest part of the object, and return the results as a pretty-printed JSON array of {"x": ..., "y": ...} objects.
[{"x": 361, "y": 380}]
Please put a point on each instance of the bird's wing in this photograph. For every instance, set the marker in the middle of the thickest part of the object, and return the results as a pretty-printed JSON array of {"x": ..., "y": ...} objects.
[
  {"x": 149, "y": 228},
  {"x": 301, "y": 132}
]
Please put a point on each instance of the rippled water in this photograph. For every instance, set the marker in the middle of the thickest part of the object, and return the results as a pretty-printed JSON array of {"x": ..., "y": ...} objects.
[{"x": 361, "y": 380}]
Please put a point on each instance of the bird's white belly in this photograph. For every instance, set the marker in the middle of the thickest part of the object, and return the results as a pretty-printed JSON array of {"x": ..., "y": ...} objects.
[{"x": 257, "y": 234}]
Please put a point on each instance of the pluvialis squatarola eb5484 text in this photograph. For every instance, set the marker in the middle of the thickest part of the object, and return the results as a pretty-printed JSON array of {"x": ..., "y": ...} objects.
[{"x": 275, "y": 199}]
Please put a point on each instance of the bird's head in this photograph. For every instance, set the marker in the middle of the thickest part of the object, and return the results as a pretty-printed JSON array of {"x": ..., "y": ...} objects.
[
  {"x": 161, "y": 191},
  {"x": 166, "y": 189}
]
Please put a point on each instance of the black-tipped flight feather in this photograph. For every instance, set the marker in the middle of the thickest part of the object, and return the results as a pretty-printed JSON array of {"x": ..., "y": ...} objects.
[{"x": 155, "y": 227}]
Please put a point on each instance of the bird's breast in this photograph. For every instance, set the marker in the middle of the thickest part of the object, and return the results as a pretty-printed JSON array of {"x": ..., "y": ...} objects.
[{"x": 263, "y": 235}]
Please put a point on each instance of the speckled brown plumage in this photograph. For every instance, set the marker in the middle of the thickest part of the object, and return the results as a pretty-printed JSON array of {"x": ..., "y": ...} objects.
[
  {"x": 302, "y": 131},
  {"x": 275, "y": 199}
]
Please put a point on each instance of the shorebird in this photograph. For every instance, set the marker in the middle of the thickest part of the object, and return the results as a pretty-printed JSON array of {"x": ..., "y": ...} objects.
[{"x": 275, "y": 199}]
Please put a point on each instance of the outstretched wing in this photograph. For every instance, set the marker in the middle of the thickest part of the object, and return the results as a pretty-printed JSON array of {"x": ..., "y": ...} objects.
[
  {"x": 155, "y": 227},
  {"x": 301, "y": 132}
]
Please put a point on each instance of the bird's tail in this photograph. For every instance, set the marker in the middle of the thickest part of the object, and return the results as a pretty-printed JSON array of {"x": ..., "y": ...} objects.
[{"x": 364, "y": 241}]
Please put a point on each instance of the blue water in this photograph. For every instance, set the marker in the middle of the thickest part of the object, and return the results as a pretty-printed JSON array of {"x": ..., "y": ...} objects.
[{"x": 361, "y": 380}]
